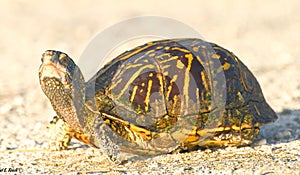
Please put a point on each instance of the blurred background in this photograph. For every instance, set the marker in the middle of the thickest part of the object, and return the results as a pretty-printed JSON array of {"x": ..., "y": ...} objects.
[{"x": 263, "y": 34}]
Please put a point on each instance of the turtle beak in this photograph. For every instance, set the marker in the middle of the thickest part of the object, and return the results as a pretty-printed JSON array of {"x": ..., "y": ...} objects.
[{"x": 51, "y": 67}]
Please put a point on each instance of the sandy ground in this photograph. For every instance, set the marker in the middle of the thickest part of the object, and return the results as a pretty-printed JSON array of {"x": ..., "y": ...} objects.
[{"x": 264, "y": 34}]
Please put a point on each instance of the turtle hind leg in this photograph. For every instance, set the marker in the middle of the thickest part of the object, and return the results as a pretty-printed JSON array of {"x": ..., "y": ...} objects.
[{"x": 60, "y": 134}]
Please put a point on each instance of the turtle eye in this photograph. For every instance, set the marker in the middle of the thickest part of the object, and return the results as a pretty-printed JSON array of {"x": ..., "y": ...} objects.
[{"x": 63, "y": 59}]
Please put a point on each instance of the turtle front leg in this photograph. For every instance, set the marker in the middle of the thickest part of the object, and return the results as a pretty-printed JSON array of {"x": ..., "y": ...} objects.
[
  {"x": 106, "y": 139},
  {"x": 60, "y": 133}
]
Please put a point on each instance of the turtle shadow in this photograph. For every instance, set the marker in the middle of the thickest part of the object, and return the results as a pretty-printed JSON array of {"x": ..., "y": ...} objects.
[
  {"x": 285, "y": 129},
  {"x": 74, "y": 145}
]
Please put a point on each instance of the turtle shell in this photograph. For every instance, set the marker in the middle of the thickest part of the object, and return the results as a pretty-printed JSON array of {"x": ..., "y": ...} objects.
[{"x": 179, "y": 93}]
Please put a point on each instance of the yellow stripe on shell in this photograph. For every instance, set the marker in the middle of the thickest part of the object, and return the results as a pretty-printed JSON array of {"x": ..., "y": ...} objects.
[
  {"x": 195, "y": 49},
  {"x": 192, "y": 136},
  {"x": 133, "y": 77},
  {"x": 135, "y": 52},
  {"x": 166, "y": 66},
  {"x": 256, "y": 109},
  {"x": 240, "y": 97},
  {"x": 216, "y": 56},
  {"x": 161, "y": 55},
  {"x": 133, "y": 93},
  {"x": 141, "y": 132},
  {"x": 181, "y": 49},
  {"x": 244, "y": 77},
  {"x": 133, "y": 66},
  {"x": 170, "y": 86},
  {"x": 197, "y": 98},
  {"x": 179, "y": 64},
  {"x": 159, "y": 47},
  {"x": 204, "y": 83},
  {"x": 187, "y": 79},
  {"x": 167, "y": 48},
  {"x": 114, "y": 84},
  {"x": 150, "y": 51},
  {"x": 199, "y": 60},
  {"x": 170, "y": 59},
  {"x": 147, "y": 99},
  {"x": 161, "y": 83},
  {"x": 209, "y": 131},
  {"x": 226, "y": 66},
  {"x": 175, "y": 101}
]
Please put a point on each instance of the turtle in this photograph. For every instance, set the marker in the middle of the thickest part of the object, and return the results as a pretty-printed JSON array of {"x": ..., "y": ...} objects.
[{"x": 164, "y": 96}]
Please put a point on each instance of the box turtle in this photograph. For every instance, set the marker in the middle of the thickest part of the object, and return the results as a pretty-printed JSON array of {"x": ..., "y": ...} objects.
[{"x": 162, "y": 97}]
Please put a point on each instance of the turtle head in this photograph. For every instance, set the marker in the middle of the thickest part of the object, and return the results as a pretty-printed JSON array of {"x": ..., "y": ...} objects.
[
  {"x": 63, "y": 83},
  {"x": 59, "y": 66}
]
